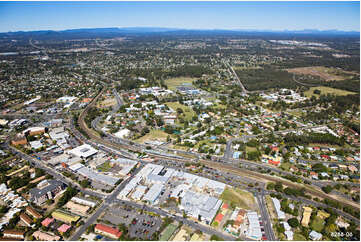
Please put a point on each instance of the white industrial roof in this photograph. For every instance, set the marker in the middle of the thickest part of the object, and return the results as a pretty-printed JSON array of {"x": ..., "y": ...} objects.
[
  {"x": 109, "y": 180},
  {"x": 153, "y": 193},
  {"x": 84, "y": 151},
  {"x": 277, "y": 205}
]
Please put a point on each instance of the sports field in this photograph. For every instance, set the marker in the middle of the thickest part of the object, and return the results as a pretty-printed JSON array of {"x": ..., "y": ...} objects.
[
  {"x": 167, "y": 233},
  {"x": 187, "y": 111},
  {"x": 172, "y": 83}
]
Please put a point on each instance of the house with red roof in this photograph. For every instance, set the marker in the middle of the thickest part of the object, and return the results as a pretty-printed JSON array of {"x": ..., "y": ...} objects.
[
  {"x": 63, "y": 228},
  {"x": 316, "y": 148},
  {"x": 274, "y": 162},
  {"x": 218, "y": 218},
  {"x": 46, "y": 222},
  {"x": 352, "y": 168},
  {"x": 107, "y": 231}
]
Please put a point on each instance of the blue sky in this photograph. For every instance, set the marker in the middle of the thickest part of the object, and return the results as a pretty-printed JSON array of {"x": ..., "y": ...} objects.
[{"x": 15, "y": 16}]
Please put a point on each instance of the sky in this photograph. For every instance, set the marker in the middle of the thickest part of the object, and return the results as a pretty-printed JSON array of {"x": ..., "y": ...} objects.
[{"x": 27, "y": 16}]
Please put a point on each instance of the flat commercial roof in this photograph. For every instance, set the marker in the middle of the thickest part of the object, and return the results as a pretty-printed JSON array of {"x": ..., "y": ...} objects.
[
  {"x": 84, "y": 171},
  {"x": 277, "y": 205},
  {"x": 153, "y": 193},
  {"x": 83, "y": 151}
]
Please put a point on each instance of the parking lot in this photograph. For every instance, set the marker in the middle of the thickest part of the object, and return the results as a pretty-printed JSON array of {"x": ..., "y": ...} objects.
[
  {"x": 144, "y": 226},
  {"x": 140, "y": 226}
]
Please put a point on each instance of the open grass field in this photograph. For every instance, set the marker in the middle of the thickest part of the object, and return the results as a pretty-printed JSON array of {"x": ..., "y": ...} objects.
[
  {"x": 250, "y": 149},
  {"x": 325, "y": 73},
  {"x": 326, "y": 90},
  {"x": 285, "y": 166},
  {"x": 295, "y": 112},
  {"x": 187, "y": 111},
  {"x": 172, "y": 83},
  {"x": 153, "y": 135},
  {"x": 238, "y": 198},
  {"x": 299, "y": 237},
  {"x": 317, "y": 224},
  {"x": 167, "y": 233}
]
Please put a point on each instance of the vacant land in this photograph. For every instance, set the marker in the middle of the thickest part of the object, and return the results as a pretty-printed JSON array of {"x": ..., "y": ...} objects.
[
  {"x": 250, "y": 149},
  {"x": 153, "y": 135},
  {"x": 238, "y": 198},
  {"x": 326, "y": 90},
  {"x": 172, "y": 83},
  {"x": 325, "y": 73},
  {"x": 107, "y": 103},
  {"x": 187, "y": 111},
  {"x": 270, "y": 207}
]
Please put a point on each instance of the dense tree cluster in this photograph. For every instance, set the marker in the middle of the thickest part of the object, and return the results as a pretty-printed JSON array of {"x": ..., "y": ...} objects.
[
  {"x": 320, "y": 138},
  {"x": 67, "y": 195}
]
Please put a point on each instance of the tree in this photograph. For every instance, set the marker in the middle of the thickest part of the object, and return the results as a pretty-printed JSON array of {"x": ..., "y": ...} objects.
[
  {"x": 317, "y": 91},
  {"x": 216, "y": 238},
  {"x": 327, "y": 189},
  {"x": 279, "y": 187},
  {"x": 179, "y": 110},
  {"x": 85, "y": 183},
  {"x": 293, "y": 222}
]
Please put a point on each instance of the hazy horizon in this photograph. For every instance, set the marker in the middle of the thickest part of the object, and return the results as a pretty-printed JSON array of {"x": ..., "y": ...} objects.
[{"x": 272, "y": 16}]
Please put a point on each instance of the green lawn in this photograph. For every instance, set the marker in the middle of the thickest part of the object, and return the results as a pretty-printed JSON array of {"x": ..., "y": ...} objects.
[
  {"x": 187, "y": 111},
  {"x": 286, "y": 166},
  {"x": 299, "y": 237},
  {"x": 326, "y": 90},
  {"x": 317, "y": 224},
  {"x": 167, "y": 233},
  {"x": 172, "y": 83},
  {"x": 250, "y": 149},
  {"x": 238, "y": 198},
  {"x": 105, "y": 167}
]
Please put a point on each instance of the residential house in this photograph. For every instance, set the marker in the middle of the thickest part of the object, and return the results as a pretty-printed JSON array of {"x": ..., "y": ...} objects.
[
  {"x": 38, "y": 235},
  {"x": 13, "y": 234},
  {"x": 26, "y": 219},
  {"x": 32, "y": 212},
  {"x": 315, "y": 235},
  {"x": 65, "y": 217},
  {"x": 306, "y": 216}
]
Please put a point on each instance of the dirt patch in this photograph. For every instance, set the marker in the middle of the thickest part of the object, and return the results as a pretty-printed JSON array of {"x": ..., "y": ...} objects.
[
  {"x": 107, "y": 103},
  {"x": 325, "y": 73}
]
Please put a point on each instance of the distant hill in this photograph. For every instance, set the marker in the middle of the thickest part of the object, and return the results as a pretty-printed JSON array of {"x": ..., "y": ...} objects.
[{"x": 136, "y": 31}]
